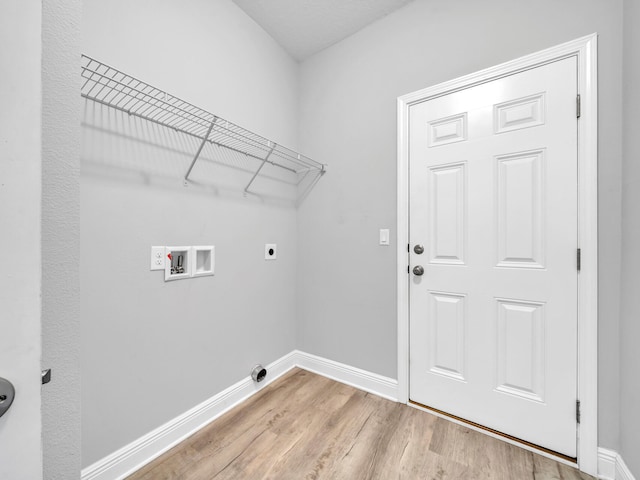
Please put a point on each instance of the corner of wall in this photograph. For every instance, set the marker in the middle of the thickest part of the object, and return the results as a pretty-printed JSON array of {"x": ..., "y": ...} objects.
[
  {"x": 61, "y": 237},
  {"x": 629, "y": 425}
]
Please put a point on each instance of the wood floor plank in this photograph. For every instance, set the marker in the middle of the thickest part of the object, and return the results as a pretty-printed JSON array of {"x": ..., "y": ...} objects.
[
  {"x": 279, "y": 461},
  {"x": 435, "y": 467},
  {"x": 263, "y": 408},
  {"x": 545, "y": 469},
  {"x": 492, "y": 458},
  {"x": 305, "y": 426},
  {"x": 241, "y": 435},
  {"x": 369, "y": 445},
  {"x": 325, "y": 442},
  {"x": 571, "y": 473},
  {"x": 406, "y": 455},
  {"x": 175, "y": 462}
]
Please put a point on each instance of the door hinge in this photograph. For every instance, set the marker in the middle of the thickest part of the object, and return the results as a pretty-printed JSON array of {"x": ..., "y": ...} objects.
[
  {"x": 578, "y": 259},
  {"x": 578, "y": 106},
  {"x": 578, "y": 411}
]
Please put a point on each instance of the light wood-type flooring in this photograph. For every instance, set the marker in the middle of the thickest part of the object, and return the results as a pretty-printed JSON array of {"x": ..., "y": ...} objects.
[{"x": 305, "y": 426}]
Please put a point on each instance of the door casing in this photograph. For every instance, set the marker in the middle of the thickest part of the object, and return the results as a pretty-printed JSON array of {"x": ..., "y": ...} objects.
[{"x": 585, "y": 49}]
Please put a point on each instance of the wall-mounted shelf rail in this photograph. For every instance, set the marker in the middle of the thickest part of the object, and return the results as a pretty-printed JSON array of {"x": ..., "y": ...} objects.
[{"x": 111, "y": 87}]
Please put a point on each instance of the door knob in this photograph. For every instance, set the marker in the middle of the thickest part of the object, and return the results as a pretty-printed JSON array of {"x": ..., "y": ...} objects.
[
  {"x": 418, "y": 249},
  {"x": 7, "y": 393},
  {"x": 418, "y": 270}
]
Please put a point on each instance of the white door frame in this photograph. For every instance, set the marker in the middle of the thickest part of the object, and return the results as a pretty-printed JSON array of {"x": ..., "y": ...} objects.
[{"x": 585, "y": 49}]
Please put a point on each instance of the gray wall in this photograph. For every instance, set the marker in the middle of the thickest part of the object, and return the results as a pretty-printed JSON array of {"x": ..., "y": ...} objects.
[
  {"x": 61, "y": 237},
  {"x": 630, "y": 304},
  {"x": 200, "y": 336},
  {"x": 152, "y": 350},
  {"x": 21, "y": 219},
  {"x": 347, "y": 292}
]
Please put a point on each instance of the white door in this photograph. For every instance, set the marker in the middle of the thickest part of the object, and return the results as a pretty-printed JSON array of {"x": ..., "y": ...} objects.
[
  {"x": 493, "y": 201},
  {"x": 20, "y": 97}
]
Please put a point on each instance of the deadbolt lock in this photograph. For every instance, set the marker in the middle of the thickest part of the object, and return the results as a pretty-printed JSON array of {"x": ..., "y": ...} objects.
[{"x": 419, "y": 249}]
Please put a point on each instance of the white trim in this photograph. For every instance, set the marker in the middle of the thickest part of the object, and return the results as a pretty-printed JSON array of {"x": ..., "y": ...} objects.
[
  {"x": 588, "y": 242},
  {"x": 585, "y": 49},
  {"x": 402, "y": 232},
  {"x": 138, "y": 453},
  {"x": 611, "y": 466},
  {"x": 607, "y": 464},
  {"x": 622, "y": 471},
  {"x": 384, "y": 387}
]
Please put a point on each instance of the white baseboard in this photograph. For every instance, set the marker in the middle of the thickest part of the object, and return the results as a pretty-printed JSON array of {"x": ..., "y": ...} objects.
[
  {"x": 606, "y": 464},
  {"x": 384, "y": 387},
  {"x": 622, "y": 471},
  {"x": 611, "y": 466},
  {"x": 138, "y": 453}
]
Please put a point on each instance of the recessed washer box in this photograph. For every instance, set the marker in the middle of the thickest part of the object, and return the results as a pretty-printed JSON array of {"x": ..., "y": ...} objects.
[
  {"x": 202, "y": 260},
  {"x": 177, "y": 263}
]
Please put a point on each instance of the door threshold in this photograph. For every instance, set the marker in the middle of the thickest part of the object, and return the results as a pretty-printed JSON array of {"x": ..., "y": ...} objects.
[{"x": 529, "y": 446}]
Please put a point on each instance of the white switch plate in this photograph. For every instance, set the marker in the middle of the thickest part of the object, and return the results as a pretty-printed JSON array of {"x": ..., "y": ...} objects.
[
  {"x": 384, "y": 236},
  {"x": 157, "y": 258},
  {"x": 270, "y": 251}
]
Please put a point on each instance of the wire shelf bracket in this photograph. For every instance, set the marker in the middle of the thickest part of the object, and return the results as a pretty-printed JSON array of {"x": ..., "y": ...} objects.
[
  {"x": 195, "y": 159},
  {"x": 111, "y": 87},
  {"x": 266, "y": 159}
]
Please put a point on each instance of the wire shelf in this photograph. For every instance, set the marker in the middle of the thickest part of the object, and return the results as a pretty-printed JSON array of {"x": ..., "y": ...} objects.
[{"x": 111, "y": 87}]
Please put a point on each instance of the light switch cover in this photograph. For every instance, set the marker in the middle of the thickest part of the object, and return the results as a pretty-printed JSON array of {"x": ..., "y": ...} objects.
[{"x": 384, "y": 236}]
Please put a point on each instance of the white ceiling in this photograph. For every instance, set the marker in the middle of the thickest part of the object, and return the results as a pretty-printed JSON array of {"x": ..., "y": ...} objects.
[{"x": 304, "y": 27}]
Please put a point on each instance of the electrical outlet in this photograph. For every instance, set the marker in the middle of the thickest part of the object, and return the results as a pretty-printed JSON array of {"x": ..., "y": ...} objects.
[
  {"x": 270, "y": 251},
  {"x": 157, "y": 258}
]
